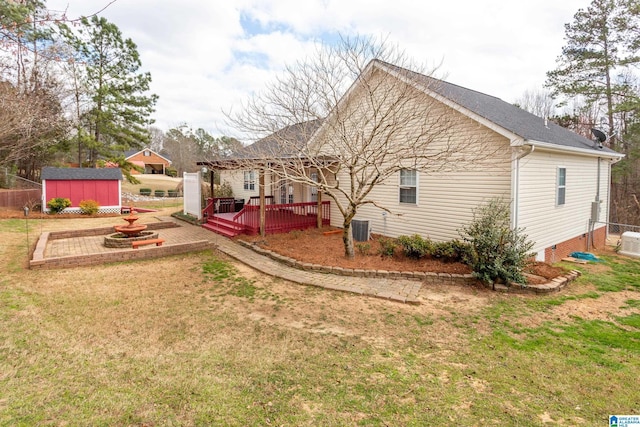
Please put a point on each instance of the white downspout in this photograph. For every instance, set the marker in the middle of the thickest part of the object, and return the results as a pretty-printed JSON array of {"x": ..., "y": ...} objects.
[{"x": 516, "y": 186}]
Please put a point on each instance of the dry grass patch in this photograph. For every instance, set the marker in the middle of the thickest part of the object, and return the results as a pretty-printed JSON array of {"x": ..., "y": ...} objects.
[
  {"x": 154, "y": 182},
  {"x": 202, "y": 340}
]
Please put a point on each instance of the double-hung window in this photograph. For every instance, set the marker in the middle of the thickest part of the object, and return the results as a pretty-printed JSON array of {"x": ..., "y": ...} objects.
[
  {"x": 561, "y": 187},
  {"x": 408, "y": 186},
  {"x": 314, "y": 190},
  {"x": 249, "y": 180}
]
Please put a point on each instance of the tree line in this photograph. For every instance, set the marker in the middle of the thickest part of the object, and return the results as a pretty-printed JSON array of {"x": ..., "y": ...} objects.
[
  {"x": 71, "y": 91},
  {"x": 595, "y": 85}
]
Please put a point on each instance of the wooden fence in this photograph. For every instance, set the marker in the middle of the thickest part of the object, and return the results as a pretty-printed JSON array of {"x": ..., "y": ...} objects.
[{"x": 20, "y": 198}]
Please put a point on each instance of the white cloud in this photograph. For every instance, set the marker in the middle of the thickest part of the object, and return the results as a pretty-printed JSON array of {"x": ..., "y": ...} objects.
[{"x": 203, "y": 61}]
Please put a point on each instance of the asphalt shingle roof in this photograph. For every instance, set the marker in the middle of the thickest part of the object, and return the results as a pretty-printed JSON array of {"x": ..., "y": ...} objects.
[
  {"x": 79, "y": 174},
  {"x": 297, "y": 134},
  {"x": 506, "y": 115}
]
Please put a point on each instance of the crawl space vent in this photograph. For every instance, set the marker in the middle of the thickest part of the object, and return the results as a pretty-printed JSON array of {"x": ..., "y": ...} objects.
[{"x": 630, "y": 245}]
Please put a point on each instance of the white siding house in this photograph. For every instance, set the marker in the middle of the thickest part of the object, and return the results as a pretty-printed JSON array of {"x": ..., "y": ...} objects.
[{"x": 551, "y": 176}]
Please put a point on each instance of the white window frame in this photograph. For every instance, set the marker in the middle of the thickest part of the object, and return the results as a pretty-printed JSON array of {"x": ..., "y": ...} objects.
[
  {"x": 250, "y": 180},
  {"x": 283, "y": 191},
  {"x": 404, "y": 186},
  {"x": 561, "y": 188},
  {"x": 313, "y": 191}
]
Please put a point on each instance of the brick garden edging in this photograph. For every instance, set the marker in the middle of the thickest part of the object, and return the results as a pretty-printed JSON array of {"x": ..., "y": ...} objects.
[
  {"x": 427, "y": 277},
  {"x": 553, "y": 286},
  {"x": 38, "y": 261}
]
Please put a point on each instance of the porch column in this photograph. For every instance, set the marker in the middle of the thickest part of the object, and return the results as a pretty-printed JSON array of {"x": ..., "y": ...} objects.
[
  {"x": 319, "y": 210},
  {"x": 262, "y": 204},
  {"x": 211, "y": 177}
]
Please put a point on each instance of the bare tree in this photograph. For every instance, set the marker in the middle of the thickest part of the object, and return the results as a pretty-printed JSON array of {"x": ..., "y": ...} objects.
[
  {"x": 157, "y": 139},
  {"x": 346, "y": 121},
  {"x": 31, "y": 124},
  {"x": 32, "y": 98},
  {"x": 538, "y": 102}
]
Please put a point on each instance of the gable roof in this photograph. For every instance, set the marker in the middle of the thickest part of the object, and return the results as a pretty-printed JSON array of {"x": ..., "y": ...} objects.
[
  {"x": 296, "y": 135},
  {"x": 81, "y": 174},
  {"x": 131, "y": 153},
  {"x": 507, "y": 116}
]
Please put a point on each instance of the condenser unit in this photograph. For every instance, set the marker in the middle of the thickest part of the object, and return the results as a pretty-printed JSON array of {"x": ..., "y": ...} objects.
[
  {"x": 360, "y": 230},
  {"x": 630, "y": 244}
]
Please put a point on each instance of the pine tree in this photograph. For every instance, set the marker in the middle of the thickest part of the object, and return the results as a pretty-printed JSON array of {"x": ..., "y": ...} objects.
[
  {"x": 600, "y": 43},
  {"x": 120, "y": 107}
]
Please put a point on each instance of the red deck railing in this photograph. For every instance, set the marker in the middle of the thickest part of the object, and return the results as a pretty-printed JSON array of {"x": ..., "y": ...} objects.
[
  {"x": 283, "y": 218},
  {"x": 218, "y": 205},
  {"x": 255, "y": 200}
]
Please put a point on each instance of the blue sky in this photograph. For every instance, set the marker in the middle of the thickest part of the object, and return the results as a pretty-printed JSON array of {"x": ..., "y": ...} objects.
[{"x": 206, "y": 56}]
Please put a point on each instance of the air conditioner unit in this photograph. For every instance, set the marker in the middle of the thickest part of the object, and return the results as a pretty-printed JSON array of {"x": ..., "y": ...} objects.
[
  {"x": 360, "y": 230},
  {"x": 630, "y": 244}
]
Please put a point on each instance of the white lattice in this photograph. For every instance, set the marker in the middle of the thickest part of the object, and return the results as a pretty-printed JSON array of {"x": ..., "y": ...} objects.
[{"x": 102, "y": 209}]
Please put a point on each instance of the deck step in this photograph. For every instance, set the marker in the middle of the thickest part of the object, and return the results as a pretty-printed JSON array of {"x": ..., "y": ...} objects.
[
  {"x": 225, "y": 223},
  {"x": 220, "y": 230},
  {"x": 224, "y": 227}
]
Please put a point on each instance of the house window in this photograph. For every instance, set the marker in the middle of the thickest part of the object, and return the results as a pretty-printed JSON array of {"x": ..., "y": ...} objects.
[
  {"x": 314, "y": 190},
  {"x": 408, "y": 186},
  {"x": 250, "y": 180},
  {"x": 147, "y": 153},
  {"x": 283, "y": 192},
  {"x": 561, "y": 186}
]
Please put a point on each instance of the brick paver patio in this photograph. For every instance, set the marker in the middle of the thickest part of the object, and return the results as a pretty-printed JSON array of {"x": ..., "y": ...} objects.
[{"x": 397, "y": 289}]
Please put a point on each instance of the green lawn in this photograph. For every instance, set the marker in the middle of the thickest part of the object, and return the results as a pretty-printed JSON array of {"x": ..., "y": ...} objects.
[
  {"x": 154, "y": 182},
  {"x": 201, "y": 340}
]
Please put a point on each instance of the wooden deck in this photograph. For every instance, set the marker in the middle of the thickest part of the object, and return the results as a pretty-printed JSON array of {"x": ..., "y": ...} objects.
[{"x": 278, "y": 219}]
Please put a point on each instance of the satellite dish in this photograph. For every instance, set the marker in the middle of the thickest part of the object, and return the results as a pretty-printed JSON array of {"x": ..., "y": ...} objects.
[{"x": 599, "y": 135}]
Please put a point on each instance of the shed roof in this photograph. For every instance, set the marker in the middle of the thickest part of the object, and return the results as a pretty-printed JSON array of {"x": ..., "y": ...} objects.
[{"x": 81, "y": 174}]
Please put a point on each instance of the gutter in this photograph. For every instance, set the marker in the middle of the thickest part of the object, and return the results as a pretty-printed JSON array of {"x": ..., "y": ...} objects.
[{"x": 593, "y": 152}]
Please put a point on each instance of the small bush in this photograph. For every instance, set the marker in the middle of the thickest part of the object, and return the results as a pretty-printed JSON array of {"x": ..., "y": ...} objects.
[
  {"x": 173, "y": 193},
  {"x": 363, "y": 248},
  {"x": 415, "y": 246},
  {"x": 451, "y": 251},
  {"x": 89, "y": 207},
  {"x": 295, "y": 234},
  {"x": 159, "y": 193},
  {"x": 145, "y": 191},
  {"x": 497, "y": 252},
  {"x": 224, "y": 190},
  {"x": 171, "y": 172},
  {"x": 58, "y": 204},
  {"x": 387, "y": 247}
]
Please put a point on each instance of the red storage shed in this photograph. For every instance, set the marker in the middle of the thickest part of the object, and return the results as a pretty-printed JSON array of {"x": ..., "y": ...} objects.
[{"x": 78, "y": 184}]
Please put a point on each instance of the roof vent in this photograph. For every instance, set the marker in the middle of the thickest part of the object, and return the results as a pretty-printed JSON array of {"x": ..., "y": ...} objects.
[{"x": 630, "y": 245}]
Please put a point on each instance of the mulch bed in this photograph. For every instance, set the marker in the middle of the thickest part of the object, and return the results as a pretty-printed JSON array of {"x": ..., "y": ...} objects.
[{"x": 318, "y": 247}]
